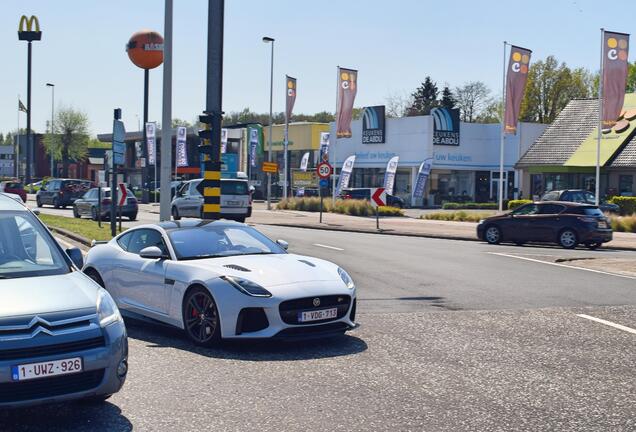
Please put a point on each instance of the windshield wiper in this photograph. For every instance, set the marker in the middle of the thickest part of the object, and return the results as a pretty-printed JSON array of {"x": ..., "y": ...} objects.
[{"x": 258, "y": 253}]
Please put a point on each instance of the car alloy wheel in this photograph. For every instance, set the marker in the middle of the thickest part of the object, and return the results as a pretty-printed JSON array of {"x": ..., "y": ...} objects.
[
  {"x": 493, "y": 235},
  {"x": 567, "y": 239},
  {"x": 38, "y": 202},
  {"x": 201, "y": 318}
]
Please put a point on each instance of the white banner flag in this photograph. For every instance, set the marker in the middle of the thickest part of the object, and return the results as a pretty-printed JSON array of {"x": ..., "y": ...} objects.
[
  {"x": 422, "y": 177},
  {"x": 345, "y": 174},
  {"x": 304, "y": 162},
  {"x": 389, "y": 175},
  {"x": 150, "y": 142},
  {"x": 324, "y": 146},
  {"x": 182, "y": 150},
  {"x": 223, "y": 140}
]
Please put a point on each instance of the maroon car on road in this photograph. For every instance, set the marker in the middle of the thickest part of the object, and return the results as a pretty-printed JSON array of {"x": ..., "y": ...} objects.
[{"x": 14, "y": 187}]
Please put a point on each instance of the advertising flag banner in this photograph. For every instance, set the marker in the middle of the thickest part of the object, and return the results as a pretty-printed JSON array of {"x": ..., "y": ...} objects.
[
  {"x": 345, "y": 174},
  {"x": 389, "y": 175},
  {"x": 182, "y": 150},
  {"x": 150, "y": 142},
  {"x": 615, "y": 67},
  {"x": 223, "y": 140},
  {"x": 347, "y": 89},
  {"x": 21, "y": 106},
  {"x": 304, "y": 162},
  {"x": 253, "y": 145},
  {"x": 324, "y": 146},
  {"x": 290, "y": 97},
  {"x": 516, "y": 78},
  {"x": 422, "y": 176}
]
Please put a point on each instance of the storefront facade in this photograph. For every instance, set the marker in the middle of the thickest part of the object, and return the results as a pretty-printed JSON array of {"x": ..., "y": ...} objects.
[{"x": 468, "y": 171}]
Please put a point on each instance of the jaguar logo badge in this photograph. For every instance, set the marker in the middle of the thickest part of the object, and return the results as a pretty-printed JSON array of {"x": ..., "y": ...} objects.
[{"x": 316, "y": 302}]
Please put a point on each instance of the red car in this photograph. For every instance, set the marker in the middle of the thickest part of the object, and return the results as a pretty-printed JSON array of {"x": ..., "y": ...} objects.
[{"x": 14, "y": 187}]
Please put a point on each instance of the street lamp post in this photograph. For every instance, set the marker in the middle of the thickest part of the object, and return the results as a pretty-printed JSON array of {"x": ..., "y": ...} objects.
[
  {"x": 28, "y": 30},
  {"x": 52, "y": 123},
  {"x": 267, "y": 39}
]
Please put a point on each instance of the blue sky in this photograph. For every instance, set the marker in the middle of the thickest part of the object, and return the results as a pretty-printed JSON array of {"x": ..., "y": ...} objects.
[{"x": 394, "y": 44}]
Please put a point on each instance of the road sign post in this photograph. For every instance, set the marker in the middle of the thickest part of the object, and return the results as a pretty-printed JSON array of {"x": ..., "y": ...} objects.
[
  {"x": 123, "y": 194},
  {"x": 119, "y": 136},
  {"x": 378, "y": 198}
]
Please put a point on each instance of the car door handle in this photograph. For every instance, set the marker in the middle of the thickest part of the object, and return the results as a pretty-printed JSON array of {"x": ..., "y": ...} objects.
[{"x": 169, "y": 281}]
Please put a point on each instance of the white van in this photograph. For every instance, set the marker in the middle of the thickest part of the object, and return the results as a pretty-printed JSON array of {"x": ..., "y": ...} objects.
[{"x": 236, "y": 200}]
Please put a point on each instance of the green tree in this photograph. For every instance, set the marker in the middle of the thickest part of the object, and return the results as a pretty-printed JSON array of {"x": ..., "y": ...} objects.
[
  {"x": 550, "y": 87},
  {"x": 424, "y": 98},
  {"x": 472, "y": 98},
  {"x": 631, "y": 78},
  {"x": 70, "y": 137},
  {"x": 176, "y": 122},
  {"x": 492, "y": 112},
  {"x": 448, "y": 98}
]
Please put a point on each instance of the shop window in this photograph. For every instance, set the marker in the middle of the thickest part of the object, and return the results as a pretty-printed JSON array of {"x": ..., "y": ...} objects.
[{"x": 626, "y": 185}]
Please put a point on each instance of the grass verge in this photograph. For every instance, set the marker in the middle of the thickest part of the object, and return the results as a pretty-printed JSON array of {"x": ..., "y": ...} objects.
[
  {"x": 623, "y": 223},
  {"x": 351, "y": 207},
  {"x": 82, "y": 227},
  {"x": 458, "y": 216}
]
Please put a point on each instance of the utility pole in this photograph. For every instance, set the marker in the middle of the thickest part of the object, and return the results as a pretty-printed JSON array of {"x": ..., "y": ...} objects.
[{"x": 166, "y": 118}]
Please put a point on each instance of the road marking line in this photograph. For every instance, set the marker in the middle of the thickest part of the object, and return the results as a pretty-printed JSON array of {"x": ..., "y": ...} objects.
[
  {"x": 562, "y": 265},
  {"x": 328, "y": 247},
  {"x": 608, "y": 323}
]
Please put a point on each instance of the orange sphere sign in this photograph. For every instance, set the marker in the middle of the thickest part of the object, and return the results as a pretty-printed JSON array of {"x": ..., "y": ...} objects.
[{"x": 145, "y": 49}]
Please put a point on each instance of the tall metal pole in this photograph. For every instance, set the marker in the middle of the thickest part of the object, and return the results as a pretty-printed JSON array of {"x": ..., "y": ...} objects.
[
  {"x": 600, "y": 127},
  {"x": 27, "y": 179},
  {"x": 17, "y": 146},
  {"x": 52, "y": 124},
  {"x": 271, "y": 116},
  {"x": 285, "y": 150},
  {"x": 145, "y": 187},
  {"x": 503, "y": 132},
  {"x": 166, "y": 118}
]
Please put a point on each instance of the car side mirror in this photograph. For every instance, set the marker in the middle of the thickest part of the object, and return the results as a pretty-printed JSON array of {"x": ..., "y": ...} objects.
[
  {"x": 151, "y": 252},
  {"x": 36, "y": 212},
  {"x": 76, "y": 256},
  {"x": 282, "y": 243}
]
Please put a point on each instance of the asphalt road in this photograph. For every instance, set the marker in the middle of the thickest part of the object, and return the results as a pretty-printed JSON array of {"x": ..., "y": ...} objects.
[{"x": 455, "y": 336}]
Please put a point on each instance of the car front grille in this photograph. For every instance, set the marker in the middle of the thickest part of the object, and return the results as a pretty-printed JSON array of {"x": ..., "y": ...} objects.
[
  {"x": 290, "y": 309},
  {"x": 50, "y": 387},
  {"x": 55, "y": 349},
  {"x": 28, "y": 327}
]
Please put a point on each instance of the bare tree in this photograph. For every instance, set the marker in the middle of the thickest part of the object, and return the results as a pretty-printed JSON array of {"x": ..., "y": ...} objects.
[
  {"x": 472, "y": 98},
  {"x": 397, "y": 104}
]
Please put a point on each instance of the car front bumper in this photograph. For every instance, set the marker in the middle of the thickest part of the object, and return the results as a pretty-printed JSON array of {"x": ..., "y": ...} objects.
[{"x": 99, "y": 377}]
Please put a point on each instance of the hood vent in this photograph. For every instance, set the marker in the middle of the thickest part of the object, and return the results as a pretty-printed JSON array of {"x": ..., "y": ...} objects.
[
  {"x": 237, "y": 267},
  {"x": 310, "y": 264}
]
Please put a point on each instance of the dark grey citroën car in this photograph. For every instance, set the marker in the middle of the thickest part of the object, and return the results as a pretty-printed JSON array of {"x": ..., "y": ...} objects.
[{"x": 61, "y": 335}]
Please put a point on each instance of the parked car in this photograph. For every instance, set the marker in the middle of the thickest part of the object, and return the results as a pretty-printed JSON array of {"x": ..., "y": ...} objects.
[
  {"x": 61, "y": 335},
  {"x": 88, "y": 205},
  {"x": 579, "y": 196},
  {"x": 365, "y": 193},
  {"x": 61, "y": 192},
  {"x": 223, "y": 279},
  {"x": 14, "y": 187},
  {"x": 236, "y": 200},
  {"x": 566, "y": 223}
]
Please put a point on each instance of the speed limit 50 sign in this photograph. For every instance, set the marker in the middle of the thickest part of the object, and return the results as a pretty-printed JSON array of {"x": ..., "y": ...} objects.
[{"x": 324, "y": 170}]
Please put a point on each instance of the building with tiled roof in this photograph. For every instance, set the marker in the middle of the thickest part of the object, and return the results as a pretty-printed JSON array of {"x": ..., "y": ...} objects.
[{"x": 564, "y": 156}]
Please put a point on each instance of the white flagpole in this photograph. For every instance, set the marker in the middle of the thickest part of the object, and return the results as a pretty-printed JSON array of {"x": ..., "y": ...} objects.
[
  {"x": 600, "y": 126},
  {"x": 503, "y": 132},
  {"x": 332, "y": 148},
  {"x": 17, "y": 146},
  {"x": 285, "y": 145}
]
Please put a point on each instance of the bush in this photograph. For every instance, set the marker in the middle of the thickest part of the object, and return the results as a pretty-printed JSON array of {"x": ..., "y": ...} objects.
[
  {"x": 459, "y": 216},
  {"x": 349, "y": 207},
  {"x": 627, "y": 204},
  {"x": 623, "y": 223},
  {"x": 513, "y": 204},
  {"x": 469, "y": 206}
]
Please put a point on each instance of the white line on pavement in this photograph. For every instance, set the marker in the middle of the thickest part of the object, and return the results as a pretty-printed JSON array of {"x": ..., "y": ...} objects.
[
  {"x": 608, "y": 323},
  {"x": 328, "y": 247},
  {"x": 562, "y": 265}
]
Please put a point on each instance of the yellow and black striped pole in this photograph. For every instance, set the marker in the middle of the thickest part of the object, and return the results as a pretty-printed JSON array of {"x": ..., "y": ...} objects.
[{"x": 210, "y": 186}]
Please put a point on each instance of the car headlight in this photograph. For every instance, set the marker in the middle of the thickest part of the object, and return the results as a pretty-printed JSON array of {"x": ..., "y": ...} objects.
[
  {"x": 107, "y": 311},
  {"x": 247, "y": 287},
  {"x": 346, "y": 278}
]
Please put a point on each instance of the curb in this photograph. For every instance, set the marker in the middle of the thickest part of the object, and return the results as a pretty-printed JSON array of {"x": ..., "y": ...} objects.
[{"x": 66, "y": 233}]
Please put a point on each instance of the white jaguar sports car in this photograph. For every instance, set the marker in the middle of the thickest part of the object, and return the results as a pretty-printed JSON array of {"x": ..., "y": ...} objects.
[{"x": 222, "y": 279}]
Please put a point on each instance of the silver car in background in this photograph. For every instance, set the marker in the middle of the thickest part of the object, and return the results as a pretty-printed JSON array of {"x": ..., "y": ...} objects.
[
  {"x": 236, "y": 200},
  {"x": 61, "y": 335}
]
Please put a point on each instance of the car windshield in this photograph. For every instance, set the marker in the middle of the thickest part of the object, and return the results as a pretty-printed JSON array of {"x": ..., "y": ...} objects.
[
  {"x": 593, "y": 211},
  {"x": 26, "y": 249},
  {"x": 213, "y": 240}
]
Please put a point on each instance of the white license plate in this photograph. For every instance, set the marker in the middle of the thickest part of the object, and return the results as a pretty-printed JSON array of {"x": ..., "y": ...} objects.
[
  {"x": 602, "y": 224},
  {"x": 46, "y": 369},
  {"x": 234, "y": 203},
  {"x": 318, "y": 315}
]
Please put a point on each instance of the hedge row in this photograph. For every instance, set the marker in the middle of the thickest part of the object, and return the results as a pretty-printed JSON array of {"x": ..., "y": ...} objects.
[
  {"x": 623, "y": 223},
  {"x": 513, "y": 204},
  {"x": 469, "y": 206},
  {"x": 350, "y": 207},
  {"x": 627, "y": 204},
  {"x": 458, "y": 216}
]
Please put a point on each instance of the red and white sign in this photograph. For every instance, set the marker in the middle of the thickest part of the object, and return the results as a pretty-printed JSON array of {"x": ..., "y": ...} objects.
[
  {"x": 123, "y": 194},
  {"x": 324, "y": 170},
  {"x": 378, "y": 197}
]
